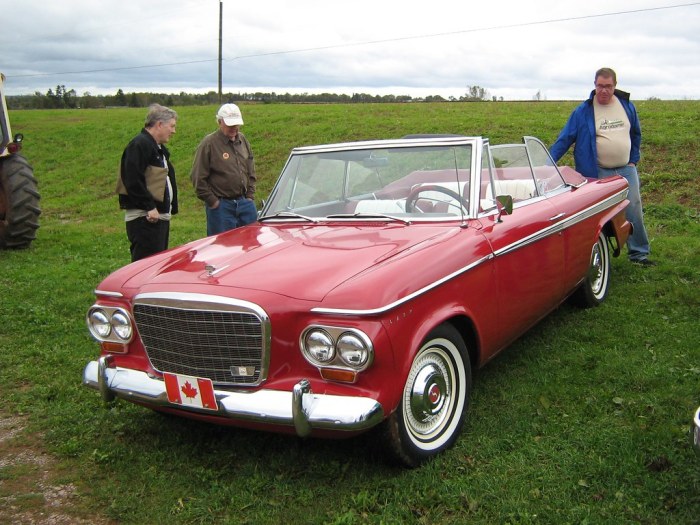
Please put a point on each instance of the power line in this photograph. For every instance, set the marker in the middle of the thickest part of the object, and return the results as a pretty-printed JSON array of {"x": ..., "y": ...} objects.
[
  {"x": 112, "y": 69},
  {"x": 464, "y": 31},
  {"x": 371, "y": 42}
]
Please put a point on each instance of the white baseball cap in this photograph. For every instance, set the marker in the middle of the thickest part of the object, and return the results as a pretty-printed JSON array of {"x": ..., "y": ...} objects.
[{"x": 230, "y": 114}]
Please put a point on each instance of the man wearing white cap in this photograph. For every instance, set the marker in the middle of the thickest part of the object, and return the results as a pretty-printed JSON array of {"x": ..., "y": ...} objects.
[{"x": 223, "y": 174}]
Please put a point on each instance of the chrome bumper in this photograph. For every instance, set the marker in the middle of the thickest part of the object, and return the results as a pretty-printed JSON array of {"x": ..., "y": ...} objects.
[
  {"x": 300, "y": 408},
  {"x": 696, "y": 431}
]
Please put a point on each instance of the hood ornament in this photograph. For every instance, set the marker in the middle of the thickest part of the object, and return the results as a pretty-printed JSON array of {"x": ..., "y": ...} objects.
[{"x": 213, "y": 270}]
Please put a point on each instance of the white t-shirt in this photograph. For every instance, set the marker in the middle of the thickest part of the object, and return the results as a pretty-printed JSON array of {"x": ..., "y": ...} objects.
[{"x": 612, "y": 134}]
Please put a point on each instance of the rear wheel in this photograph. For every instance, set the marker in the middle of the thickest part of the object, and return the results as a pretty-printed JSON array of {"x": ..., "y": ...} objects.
[
  {"x": 595, "y": 286},
  {"x": 19, "y": 203},
  {"x": 435, "y": 399}
]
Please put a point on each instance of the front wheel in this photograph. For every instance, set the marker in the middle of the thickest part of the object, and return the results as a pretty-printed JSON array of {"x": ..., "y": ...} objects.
[
  {"x": 595, "y": 286},
  {"x": 435, "y": 399}
]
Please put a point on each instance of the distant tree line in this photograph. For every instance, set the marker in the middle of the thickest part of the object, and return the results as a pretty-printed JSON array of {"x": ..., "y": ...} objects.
[{"x": 63, "y": 98}]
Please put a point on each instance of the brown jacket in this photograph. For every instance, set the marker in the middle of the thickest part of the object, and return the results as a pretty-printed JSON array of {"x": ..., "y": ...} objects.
[{"x": 223, "y": 169}]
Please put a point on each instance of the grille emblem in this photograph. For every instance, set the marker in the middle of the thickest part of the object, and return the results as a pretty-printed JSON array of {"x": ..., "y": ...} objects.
[{"x": 242, "y": 371}]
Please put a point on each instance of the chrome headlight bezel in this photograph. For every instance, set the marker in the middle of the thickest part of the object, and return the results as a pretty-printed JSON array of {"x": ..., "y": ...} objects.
[
  {"x": 110, "y": 324},
  {"x": 350, "y": 348},
  {"x": 319, "y": 346},
  {"x": 122, "y": 326}
]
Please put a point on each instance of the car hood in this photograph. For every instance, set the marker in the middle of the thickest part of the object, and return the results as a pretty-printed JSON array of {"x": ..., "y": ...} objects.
[{"x": 302, "y": 262}]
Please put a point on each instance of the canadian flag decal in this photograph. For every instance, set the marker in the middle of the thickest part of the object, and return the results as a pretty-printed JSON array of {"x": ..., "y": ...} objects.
[{"x": 190, "y": 391}]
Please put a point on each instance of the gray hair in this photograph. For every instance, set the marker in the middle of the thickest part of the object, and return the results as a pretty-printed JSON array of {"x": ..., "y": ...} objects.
[{"x": 158, "y": 113}]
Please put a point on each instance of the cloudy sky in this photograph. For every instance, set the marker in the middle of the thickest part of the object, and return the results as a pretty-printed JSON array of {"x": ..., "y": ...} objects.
[{"x": 514, "y": 49}]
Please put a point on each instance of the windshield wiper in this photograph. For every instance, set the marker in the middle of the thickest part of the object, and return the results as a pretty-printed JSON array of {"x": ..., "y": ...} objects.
[
  {"x": 287, "y": 215},
  {"x": 367, "y": 216}
]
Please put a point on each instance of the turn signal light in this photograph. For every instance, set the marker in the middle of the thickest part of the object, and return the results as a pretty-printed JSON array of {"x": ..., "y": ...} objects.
[
  {"x": 113, "y": 348},
  {"x": 336, "y": 374}
]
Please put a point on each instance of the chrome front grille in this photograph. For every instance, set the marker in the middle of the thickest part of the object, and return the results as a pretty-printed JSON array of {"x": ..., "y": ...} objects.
[{"x": 221, "y": 339}]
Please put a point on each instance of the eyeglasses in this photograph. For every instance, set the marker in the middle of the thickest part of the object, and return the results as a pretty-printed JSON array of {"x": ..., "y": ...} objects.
[{"x": 604, "y": 87}]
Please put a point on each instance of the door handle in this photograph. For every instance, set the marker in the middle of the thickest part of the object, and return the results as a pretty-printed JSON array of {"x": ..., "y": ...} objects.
[{"x": 557, "y": 217}]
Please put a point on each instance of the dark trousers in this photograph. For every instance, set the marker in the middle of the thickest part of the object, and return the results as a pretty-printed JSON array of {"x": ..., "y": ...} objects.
[{"x": 147, "y": 238}]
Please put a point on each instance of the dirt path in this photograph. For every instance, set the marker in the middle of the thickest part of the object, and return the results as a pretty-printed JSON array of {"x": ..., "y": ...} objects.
[{"x": 30, "y": 493}]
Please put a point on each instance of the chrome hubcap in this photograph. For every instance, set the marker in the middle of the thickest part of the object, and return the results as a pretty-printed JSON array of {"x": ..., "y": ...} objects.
[
  {"x": 428, "y": 393},
  {"x": 428, "y": 396},
  {"x": 597, "y": 270}
]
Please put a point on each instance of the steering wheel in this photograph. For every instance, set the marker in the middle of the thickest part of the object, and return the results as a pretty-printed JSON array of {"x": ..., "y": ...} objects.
[{"x": 415, "y": 192}]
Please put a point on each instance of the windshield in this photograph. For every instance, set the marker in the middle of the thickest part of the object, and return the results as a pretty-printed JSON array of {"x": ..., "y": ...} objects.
[{"x": 426, "y": 182}]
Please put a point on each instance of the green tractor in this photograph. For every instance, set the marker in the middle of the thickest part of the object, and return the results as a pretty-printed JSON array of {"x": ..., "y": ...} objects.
[{"x": 19, "y": 197}]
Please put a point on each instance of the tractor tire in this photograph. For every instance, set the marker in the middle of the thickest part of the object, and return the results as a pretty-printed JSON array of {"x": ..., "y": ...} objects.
[{"x": 19, "y": 203}]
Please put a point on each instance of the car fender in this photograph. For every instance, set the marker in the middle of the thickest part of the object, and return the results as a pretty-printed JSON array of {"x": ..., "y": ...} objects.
[
  {"x": 614, "y": 224},
  {"x": 409, "y": 326}
]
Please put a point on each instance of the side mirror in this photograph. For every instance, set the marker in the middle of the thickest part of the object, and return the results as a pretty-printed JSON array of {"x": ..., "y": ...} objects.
[{"x": 504, "y": 204}]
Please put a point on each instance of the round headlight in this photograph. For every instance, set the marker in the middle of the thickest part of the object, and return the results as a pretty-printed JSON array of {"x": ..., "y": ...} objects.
[
  {"x": 352, "y": 350},
  {"x": 99, "y": 323},
  {"x": 319, "y": 346},
  {"x": 122, "y": 326}
]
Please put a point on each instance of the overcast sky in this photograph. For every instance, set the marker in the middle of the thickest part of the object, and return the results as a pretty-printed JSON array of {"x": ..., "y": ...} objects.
[{"x": 512, "y": 48}]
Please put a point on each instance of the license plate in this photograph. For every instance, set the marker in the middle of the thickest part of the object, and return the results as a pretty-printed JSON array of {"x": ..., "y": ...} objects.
[{"x": 189, "y": 391}]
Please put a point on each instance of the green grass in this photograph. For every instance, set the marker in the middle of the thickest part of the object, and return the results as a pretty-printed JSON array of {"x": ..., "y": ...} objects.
[{"x": 583, "y": 420}]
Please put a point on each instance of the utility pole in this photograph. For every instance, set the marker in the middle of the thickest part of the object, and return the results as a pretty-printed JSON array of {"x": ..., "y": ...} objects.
[{"x": 221, "y": 11}]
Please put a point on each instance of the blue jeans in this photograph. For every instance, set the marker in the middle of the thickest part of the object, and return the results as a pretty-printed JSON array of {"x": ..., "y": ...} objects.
[
  {"x": 231, "y": 213},
  {"x": 638, "y": 242}
]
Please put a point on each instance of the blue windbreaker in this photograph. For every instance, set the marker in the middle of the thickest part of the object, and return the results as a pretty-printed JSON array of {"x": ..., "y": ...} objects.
[{"x": 580, "y": 131}]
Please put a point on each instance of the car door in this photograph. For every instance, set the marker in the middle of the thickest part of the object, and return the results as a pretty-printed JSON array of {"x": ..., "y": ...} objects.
[
  {"x": 527, "y": 246},
  {"x": 576, "y": 222}
]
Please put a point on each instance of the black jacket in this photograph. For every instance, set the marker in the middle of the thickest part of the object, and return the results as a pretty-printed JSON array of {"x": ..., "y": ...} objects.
[{"x": 140, "y": 153}]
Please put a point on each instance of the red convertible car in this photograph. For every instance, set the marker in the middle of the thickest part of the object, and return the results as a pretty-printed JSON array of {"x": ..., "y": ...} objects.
[{"x": 378, "y": 276}]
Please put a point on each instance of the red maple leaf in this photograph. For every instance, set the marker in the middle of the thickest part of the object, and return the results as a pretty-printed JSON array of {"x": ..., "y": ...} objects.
[{"x": 189, "y": 390}]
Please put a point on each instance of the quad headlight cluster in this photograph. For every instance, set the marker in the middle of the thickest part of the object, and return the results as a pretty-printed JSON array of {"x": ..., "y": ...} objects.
[
  {"x": 337, "y": 347},
  {"x": 110, "y": 324}
]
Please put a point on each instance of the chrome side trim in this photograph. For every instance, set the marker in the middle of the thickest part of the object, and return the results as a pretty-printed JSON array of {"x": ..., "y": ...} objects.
[
  {"x": 598, "y": 208},
  {"x": 564, "y": 224},
  {"x": 300, "y": 408},
  {"x": 106, "y": 293},
  {"x": 554, "y": 228},
  {"x": 382, "y": 309}
]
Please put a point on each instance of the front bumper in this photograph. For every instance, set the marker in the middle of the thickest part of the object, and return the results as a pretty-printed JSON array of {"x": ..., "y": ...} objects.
[
  {"x": 696, "y": 431},
  {"x": 300, "y": 408}
]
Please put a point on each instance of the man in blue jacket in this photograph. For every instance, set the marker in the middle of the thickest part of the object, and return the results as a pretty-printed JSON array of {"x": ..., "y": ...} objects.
[{"x": 606, "y": 132}]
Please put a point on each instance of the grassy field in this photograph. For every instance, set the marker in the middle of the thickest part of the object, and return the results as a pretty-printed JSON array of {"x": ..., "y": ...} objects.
[{"x": 585, "y": 420}]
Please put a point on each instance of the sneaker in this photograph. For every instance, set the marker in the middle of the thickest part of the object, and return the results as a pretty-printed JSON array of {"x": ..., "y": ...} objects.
[{"x": 644, "y": 262}]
